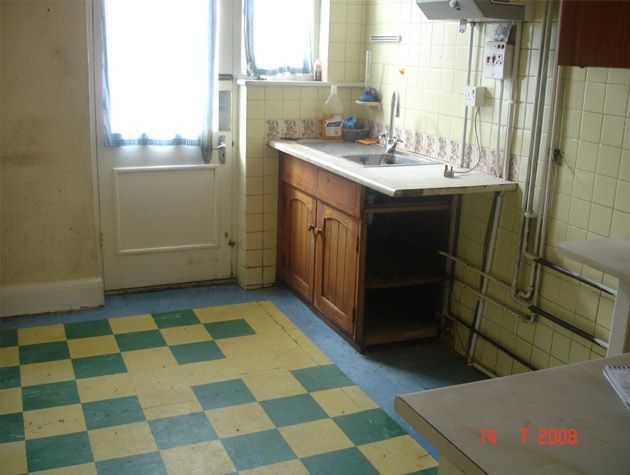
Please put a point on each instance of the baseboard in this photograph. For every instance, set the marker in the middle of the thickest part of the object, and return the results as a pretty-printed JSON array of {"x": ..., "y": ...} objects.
[{"x": 27, "y": 299}]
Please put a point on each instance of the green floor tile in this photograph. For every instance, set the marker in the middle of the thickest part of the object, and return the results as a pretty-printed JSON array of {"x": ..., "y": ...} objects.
[
  {"x": 341, "y": 462},
  {"x": 11, "y": 427},
  {"x": 257, "y": 449},
  {"x": 194, "y": 352},
  {"x": 293, "y": 410},
  {"x": 175, "y": 319},
  {"x": 10, "y": 377},
  {"x": 229, "y": 329},
  {"x": 140, "y": 340},
  {"x": 112, "y": 412},
  {"x": 181, "y": 430},
  {"x": 87, "y": 329},
  {"x": 319, "y": 378},
  {"x": 225, "y": 393},
  {"x": 8, "y": 338},
  {"x": 59, "y": 451},
  {"x": 41, "y": 352},
  {"x": 369, "y": 426},
  {"x": 49, "y": 395},
  {"x": 148, "y": 464},
  {"x": 98, "y": 366}
]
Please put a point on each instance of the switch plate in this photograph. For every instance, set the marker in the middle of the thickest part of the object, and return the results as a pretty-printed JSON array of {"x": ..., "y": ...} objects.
[
  {"x": 497, "y": 60},
  {"x": 474, "y": 96}
]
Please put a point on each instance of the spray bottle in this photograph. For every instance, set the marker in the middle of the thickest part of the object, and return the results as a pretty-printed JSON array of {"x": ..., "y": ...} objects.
[{"x": 332, "y": 116}]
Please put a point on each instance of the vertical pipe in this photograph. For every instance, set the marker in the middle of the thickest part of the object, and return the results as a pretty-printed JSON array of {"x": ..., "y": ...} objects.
[
  {"x": 509, "y": 133},
  {"x": 469, "y": 73},
  {"x": 491, "y": 239},
  {"x": 501, "y": 86}
]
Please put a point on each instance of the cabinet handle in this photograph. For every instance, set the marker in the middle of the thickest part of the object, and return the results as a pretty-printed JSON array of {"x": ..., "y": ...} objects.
[
  {"x": 311, "y": 227},
  {"x": 317, "y": 231}
]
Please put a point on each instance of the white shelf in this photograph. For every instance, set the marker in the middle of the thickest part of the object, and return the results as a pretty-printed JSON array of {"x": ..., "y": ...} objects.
[{"x": 370, "y": 104}]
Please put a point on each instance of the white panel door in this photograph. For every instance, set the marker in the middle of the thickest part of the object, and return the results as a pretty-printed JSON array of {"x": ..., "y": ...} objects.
[{"x": 165, "y": 215}]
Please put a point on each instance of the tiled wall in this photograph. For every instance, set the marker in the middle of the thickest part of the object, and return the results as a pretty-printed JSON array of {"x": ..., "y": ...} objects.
[
  {"x": 592, "y": 194},
  {"x": 271, "y": 111}
]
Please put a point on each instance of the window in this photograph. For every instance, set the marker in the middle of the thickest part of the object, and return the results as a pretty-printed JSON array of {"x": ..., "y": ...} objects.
[
  {"x": 158, "y": 59},
  {"x": 279, "y": 37}
]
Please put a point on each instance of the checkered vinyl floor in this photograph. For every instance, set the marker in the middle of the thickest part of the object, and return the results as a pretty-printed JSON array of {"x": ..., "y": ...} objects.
[{"x": 226, "y": 389}]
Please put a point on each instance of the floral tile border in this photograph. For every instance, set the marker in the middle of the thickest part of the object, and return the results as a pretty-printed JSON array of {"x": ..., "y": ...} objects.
[{"x": 292, "y": 129}]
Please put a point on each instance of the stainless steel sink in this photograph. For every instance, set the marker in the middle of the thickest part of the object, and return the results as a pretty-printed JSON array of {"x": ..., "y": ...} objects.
[{"x": 388, "y": 159}]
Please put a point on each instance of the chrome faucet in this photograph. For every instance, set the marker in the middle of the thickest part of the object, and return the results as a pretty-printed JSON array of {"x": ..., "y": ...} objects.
[{"x": 389, "y": 140}]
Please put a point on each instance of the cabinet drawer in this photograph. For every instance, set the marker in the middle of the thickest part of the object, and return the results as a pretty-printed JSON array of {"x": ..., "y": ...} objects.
[
  {"x": 339, "y": 192},
  {"x": 298, "y": 173}
]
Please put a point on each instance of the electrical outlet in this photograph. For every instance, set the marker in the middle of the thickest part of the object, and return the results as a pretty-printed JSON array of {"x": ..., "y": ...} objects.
[
  {"x": 497, "y": 63},
  {"x": 474, "y": 96}
]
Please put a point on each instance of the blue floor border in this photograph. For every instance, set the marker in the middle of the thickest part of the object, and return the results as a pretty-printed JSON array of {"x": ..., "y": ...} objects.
[{"x": 381, "y": 374}]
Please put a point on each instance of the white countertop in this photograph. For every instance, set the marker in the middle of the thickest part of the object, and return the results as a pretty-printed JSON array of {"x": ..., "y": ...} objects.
[
  {"x": 576, "y": 396},
  {"x": 397, "y": 181}
]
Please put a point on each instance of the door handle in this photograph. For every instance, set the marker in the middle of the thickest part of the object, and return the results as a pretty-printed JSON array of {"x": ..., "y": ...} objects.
[
  {"x": 310, "y": 227},
  {"x": 317, "y": 231},
  {"x": 221, "y": 146}
]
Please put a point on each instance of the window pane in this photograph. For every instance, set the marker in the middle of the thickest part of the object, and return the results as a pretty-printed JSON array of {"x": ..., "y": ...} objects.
[
  {"x": 157, "y": 67},
  {"x": 281, "y": 46}
]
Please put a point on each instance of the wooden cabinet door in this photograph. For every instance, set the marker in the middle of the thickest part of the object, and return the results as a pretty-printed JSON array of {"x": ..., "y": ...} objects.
[
  {"x": 336, "y": 261},
  {"x": 297, "y": 241}
]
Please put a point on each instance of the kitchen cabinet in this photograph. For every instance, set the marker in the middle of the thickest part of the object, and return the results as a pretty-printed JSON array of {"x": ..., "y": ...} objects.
[
  {"x": 594, "y": 33},
  {"x": 367, "y": 263}
]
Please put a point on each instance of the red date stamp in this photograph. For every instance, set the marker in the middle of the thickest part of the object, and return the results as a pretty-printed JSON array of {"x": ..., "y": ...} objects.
[{"x": 542, "y": 436}]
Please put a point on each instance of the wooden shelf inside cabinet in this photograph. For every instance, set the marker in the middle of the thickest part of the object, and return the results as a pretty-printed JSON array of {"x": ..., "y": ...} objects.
[
  {"x": 390, "y": 267},
  {"x": 391, "y": 325}
]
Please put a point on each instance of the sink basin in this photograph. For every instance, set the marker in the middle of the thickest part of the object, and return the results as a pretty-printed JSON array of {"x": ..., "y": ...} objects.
[{"x": 388, "y": 159}]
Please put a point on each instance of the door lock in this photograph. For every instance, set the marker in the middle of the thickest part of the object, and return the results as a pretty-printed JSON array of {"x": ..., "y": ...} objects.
[{"x": 221, "y": 146}]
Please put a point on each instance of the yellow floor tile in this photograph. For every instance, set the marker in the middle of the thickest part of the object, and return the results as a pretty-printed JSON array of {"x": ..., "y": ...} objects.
[
  {"x": 248, "y": 358},
  {"x": 148, "y": 360},
  {"x": 316, "y": 437},
  {"x": 340, "y": 401},
  {"x": 171, "y": 410},
  {"x": 13, "y": 458},
  {"x": 9, "y": 357},
  {"x": 31, "y": 336},
  {"x": 398, "y": 455},
  {"x": 227, "y": 312},
  {"x": 121, "y": 441},
  {"x": 160, "y": 387},
  {"x": 93, "y": 346},
  {"x": 185, "y": 334},
  {"x": 294, "y": 358},
  {"x": 48, "y": 372},
  {"x": 273, "y": 384},
  {"x": 53, "y": 421},
  {"x": 83, "y": 469},
  {"x": 205, "y": 372},
  {"x": 208, "y": 457},
  {"x": 10, "y": 401},
  {"x": 137, "y": 323},
  {"x": 239, "y": 420},
  {"x": 105, "y": 387},
  {"x": 292, "y": 467},
  {"x": 160, "y": 396}
]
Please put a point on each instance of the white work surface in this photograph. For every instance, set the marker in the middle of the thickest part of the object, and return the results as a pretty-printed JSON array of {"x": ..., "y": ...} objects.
[
  {"x": 611, "y": 256},
  {"x": 397, "y": 181},
  {"x": 575, "y": 396}
]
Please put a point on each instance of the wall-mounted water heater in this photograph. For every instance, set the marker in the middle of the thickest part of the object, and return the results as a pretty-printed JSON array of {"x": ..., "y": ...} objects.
[{"x": 476, "y": 10}]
